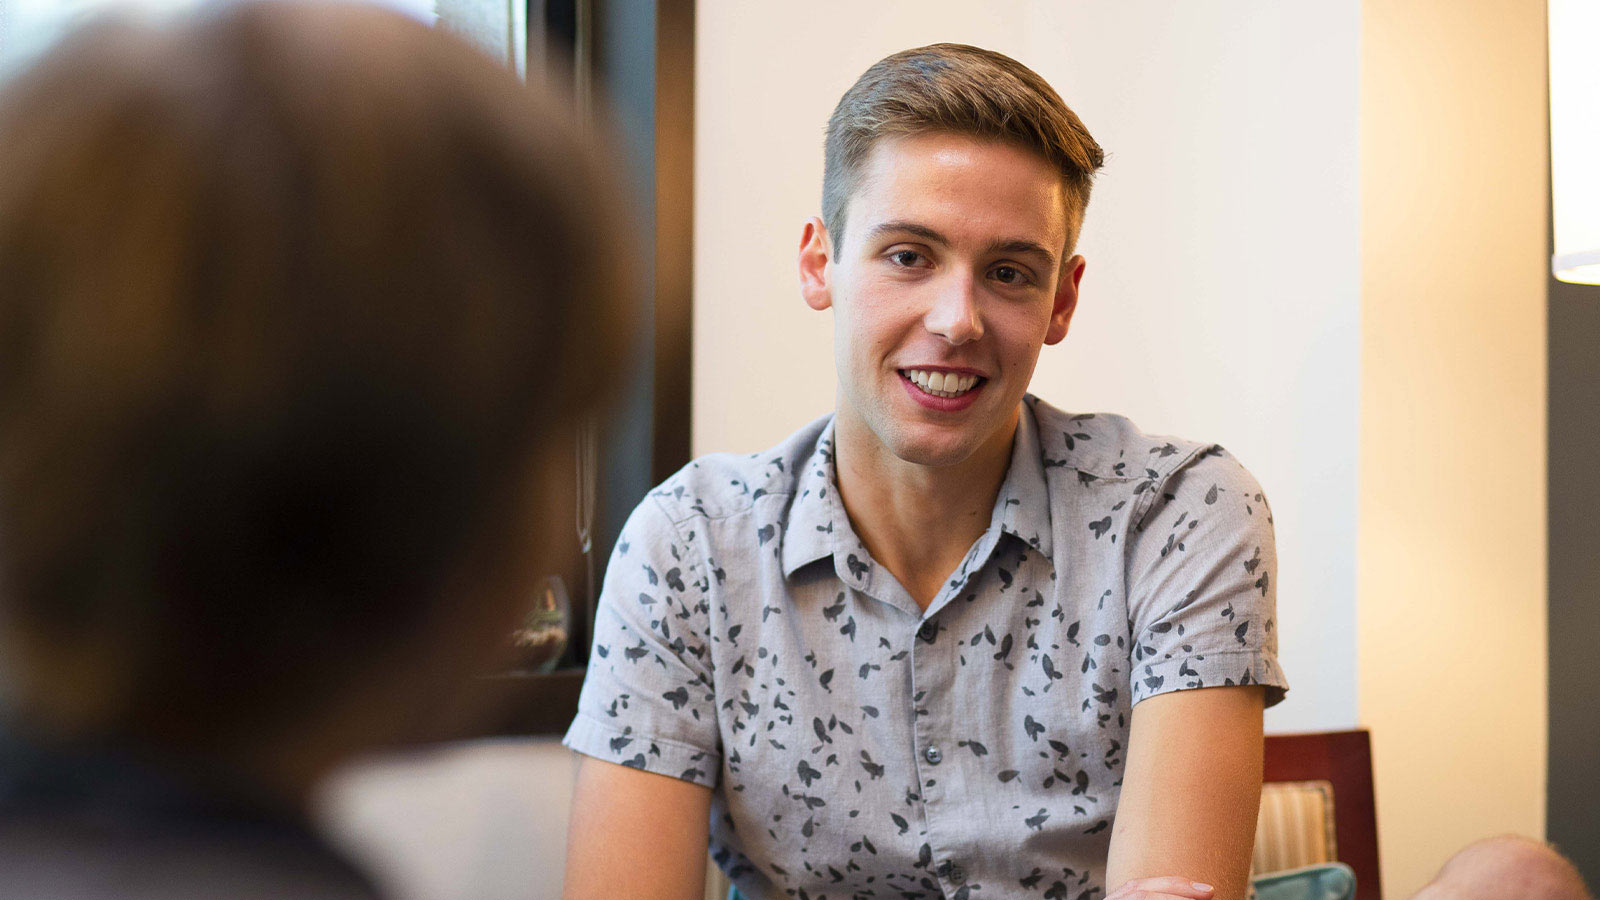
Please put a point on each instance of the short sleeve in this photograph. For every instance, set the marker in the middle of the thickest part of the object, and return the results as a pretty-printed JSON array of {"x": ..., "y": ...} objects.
[
  {"x": 1202, "y": 583},
  {"x": 647, "y": 699}
]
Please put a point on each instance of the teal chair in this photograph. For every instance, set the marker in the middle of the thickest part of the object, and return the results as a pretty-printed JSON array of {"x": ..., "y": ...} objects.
[{"x": 1327, "y": 881}]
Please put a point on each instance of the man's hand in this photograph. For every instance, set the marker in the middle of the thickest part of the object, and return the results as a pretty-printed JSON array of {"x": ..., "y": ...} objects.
[
  {"x": 1163, "y": 887},
  {"x": 636, "y": 834}
]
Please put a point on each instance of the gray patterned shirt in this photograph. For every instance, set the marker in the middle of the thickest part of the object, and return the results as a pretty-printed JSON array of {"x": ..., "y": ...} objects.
[{"x": 860, "y": 747}]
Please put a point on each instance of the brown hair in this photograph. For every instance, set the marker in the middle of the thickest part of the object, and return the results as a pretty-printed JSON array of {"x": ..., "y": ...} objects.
[
  {"x": 292, "y": 300},
  {"x": 963, "y": 90}
]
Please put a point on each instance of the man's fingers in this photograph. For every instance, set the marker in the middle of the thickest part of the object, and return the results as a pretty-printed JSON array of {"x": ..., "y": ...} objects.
[{"x": 1163, "y": 887}]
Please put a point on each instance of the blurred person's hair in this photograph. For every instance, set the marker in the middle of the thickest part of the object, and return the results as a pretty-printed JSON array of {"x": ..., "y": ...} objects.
[
  {"x": 954, "y": 89},
  {"x": 295, "y": 303}
]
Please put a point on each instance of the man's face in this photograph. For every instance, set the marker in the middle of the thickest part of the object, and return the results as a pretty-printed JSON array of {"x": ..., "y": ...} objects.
[{"x": 950, "y": 280}]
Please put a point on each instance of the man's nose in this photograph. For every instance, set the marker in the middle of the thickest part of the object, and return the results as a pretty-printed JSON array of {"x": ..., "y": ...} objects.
[{"x": 954, "y": 314}]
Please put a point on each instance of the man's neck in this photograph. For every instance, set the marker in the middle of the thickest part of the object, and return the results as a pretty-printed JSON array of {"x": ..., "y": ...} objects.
[{"x": 918, "y": 521}]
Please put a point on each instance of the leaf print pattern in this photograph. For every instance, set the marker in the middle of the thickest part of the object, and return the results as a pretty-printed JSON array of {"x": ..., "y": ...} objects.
[{"x": 860, "y": 747}]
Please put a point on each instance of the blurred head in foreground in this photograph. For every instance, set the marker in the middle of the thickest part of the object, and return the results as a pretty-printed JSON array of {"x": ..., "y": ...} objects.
[{"x": 299, "y": 306}]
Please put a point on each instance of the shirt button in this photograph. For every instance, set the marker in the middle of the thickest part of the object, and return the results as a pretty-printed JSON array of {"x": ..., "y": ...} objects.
[
  {"x": 932, "y": 755},
  {"x": 957, "y": 875},
  {"x": 928, "y": 631}
]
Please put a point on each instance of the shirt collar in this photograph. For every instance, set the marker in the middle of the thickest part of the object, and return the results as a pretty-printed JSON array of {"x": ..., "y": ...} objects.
[
  {"x": 808, "y": 535},
  {"x": 1023, "y": 505},
  {"x": 817, "y": 520}
]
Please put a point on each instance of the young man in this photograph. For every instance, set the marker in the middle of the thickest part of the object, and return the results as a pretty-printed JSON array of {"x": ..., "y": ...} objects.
[
  {"x": 950, "y": 640},
  {"x": 300, "y": 307}
]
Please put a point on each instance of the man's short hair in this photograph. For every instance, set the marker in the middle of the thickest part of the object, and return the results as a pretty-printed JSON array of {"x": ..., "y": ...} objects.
[
  {"x": 293, "y": 299},
  {"x": 958, "y": 89}
]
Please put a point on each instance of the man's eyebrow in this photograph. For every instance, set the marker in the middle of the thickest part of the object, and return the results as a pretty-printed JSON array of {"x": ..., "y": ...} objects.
[
  {"x": 1004, "y": 245},
  {"x": 1020, "y": 245},
  {"x": 922, "y": 231}
]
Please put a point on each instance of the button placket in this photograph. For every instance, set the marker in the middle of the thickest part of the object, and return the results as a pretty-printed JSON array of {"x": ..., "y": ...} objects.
[
  {"x": 927, "y": 734},
  {"x": 931, "y": 729}
]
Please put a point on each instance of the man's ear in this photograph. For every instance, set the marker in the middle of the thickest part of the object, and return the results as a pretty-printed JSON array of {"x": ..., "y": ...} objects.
[
  {"x": 815, "y": 254},
  {"x": 1066, "y": 300}
]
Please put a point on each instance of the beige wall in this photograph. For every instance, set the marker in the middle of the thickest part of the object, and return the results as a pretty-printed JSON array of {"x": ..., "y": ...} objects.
[{"x": 1452, "y": 540}]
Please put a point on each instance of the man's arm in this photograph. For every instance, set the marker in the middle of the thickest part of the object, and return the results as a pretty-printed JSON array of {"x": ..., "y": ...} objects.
[
  {"x": 1191, "y": 789},
  {"x": 635, "y": 834},
  {"x": 647, "y": 722},
  {"x": 1202, "y": 567}
]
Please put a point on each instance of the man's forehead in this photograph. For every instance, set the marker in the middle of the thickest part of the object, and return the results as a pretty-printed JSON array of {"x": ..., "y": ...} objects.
[{"x": 960, "y": 187}]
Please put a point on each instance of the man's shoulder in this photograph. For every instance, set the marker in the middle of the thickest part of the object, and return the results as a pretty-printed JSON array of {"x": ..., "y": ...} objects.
[
  {"x": 720, "y": 485},
  {"x": 1107, "y": 446},
  {"x": 1107, "y": 449}
]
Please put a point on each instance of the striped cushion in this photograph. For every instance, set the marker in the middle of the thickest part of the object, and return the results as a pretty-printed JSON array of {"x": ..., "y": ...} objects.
[{"x": 1294, "y": 827}]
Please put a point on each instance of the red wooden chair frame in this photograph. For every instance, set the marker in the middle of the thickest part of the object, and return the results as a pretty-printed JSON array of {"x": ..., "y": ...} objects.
[{"x": 1344, "y": 759}]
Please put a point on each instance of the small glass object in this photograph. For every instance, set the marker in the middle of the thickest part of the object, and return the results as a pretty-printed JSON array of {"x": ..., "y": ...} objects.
[{"x": 539, "y": 644}]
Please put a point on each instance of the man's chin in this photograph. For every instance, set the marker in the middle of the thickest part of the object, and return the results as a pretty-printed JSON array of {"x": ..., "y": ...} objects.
[
  {"x": 942, "y": 446},
  {"x": 936, "y": 451}
]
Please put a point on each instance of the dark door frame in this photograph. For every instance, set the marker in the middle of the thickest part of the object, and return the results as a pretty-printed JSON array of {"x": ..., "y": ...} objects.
[{"x": 639, "y": 57}]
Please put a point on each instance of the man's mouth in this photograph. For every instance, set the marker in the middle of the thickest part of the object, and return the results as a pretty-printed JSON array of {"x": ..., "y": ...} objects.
[{"x": 942, "y": 384}]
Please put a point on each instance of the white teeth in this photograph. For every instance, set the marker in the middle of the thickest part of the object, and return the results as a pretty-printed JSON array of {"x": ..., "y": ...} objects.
[{"x": 941, "y": 384}]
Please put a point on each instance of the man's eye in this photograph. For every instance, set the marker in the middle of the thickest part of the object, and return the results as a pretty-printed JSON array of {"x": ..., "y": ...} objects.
[
  {"x": 906, "y": 257},
  {"x": 1010, "y": 275}
]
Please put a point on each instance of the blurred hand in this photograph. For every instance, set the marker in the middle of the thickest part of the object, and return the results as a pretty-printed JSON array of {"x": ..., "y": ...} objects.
[{"x": 1162, "y": 887}]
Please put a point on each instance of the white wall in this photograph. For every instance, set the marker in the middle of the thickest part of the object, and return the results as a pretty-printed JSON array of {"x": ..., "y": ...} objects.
[
  {"x": 1222, "y": 294},
  {"x": 1222, "y": 298}
]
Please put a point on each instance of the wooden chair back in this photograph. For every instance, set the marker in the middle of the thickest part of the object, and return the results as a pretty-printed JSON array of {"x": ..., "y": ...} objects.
[{"x": 1343, "y": 761}]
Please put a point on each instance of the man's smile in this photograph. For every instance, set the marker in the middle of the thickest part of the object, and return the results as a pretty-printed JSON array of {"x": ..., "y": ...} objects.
[{"x": 942, "y": 389}]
